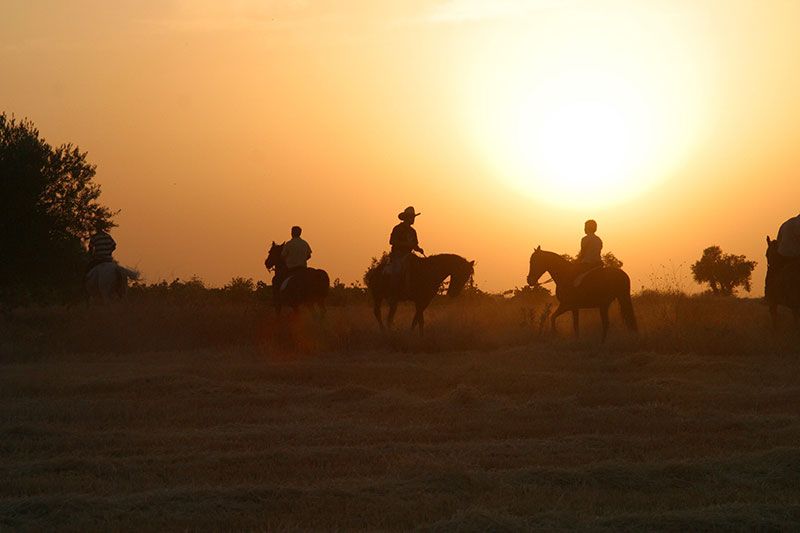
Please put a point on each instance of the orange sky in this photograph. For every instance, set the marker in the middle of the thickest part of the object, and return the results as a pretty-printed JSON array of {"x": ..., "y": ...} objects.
[{"x": 215, "y": 126}]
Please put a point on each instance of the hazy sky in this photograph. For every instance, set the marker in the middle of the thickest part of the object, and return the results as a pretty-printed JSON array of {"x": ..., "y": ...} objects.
[{"x": 216, "y": 125}]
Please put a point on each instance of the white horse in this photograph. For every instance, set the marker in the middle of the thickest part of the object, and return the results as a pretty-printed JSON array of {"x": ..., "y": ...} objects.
[{"x": 108, "y": 281}]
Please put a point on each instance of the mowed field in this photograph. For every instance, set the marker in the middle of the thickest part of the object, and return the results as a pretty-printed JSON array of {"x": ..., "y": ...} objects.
[{"x": 176, "y": 415}]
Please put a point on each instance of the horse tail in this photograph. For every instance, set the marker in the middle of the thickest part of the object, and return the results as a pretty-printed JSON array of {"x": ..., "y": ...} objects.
[
  {"x": 324, "y": 283},
  {"x": 626, "y": 306},
  {"x": 129, "y": 273}
]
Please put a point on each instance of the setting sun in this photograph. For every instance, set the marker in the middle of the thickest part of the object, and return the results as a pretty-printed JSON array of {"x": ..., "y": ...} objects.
[
  {"x": 597, "y": 118},
  {"x": 582, "y": 142}
]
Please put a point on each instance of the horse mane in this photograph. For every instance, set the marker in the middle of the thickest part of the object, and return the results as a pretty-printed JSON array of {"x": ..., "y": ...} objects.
[
  {"x": 554, "y": 255},
  {"x": 443, "y": 257}
]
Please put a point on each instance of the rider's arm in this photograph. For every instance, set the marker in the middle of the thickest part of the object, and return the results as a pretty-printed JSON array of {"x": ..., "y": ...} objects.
[
  {"x": 414, "y": 241},
  {"x": 583, "y": 249}
]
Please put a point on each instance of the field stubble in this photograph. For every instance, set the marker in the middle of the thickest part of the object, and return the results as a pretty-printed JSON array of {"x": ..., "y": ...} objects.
[{"x": 185, "y": 415}]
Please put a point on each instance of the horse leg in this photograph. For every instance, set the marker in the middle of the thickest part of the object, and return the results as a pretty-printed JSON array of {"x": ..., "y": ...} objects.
[
  {"x": 576, "y": 322},
  {"x": 392, "y": 311},
  {"x": 376, "y": 310},
  {"x": 604, "y": 318},
  {"x": 773, "y": 313},
  {"x": 559, "y": 311},
  {"x": 419, "y": 320}
]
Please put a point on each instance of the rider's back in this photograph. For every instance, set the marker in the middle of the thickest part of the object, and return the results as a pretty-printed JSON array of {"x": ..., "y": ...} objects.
[
  {"x": 591, "y": 248},
  {"x": 296, "y": 253}
]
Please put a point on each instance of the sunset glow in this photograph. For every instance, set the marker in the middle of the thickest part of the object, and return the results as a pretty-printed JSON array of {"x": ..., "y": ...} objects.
[
  {"x": 506, "y": 123},
  {"x": 599, "y": 111}
]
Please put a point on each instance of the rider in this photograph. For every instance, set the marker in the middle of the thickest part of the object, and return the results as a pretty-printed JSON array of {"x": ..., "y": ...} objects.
[
  {"x": 404, "y": 242},
  {"x": 296, "y": 253},
  {"x": 789, "y": 238},
  {"x": 591, "y": 247},
  {"x": 101, "y": 249}
]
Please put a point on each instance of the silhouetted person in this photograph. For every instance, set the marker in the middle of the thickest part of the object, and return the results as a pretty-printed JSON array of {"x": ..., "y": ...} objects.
[
  {"x": 590, "y": 255},
  {"x": 296, "y": 252},
  {"x": 101, "y": 249},
  {"x": 789, "y": 238},
  {"x": 404, "y": 242}
]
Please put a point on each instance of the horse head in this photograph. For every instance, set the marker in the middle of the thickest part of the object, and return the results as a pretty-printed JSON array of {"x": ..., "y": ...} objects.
[
  {"x": 459, "y": 277},
  {"x": 537, "y": 266},
  {"x": 773, "y": 257},
  {"x": 274, "y": 259}
]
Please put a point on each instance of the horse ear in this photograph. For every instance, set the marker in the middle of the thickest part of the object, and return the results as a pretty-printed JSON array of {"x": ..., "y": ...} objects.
[
  {"x": 768, "y": 240},
  {"x": 472, "y": 263},
  {"x": 273, "y": 243},
  {"x": 539, "y": 248}
]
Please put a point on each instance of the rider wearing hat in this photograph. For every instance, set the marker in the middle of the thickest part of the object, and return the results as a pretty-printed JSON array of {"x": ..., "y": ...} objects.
[{"x": 404, "y": 242}]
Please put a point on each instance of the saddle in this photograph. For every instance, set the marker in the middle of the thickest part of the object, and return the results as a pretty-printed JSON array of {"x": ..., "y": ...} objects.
[
  {"x": 580, "y": 277},
  {"x": 291, "y": 275}
]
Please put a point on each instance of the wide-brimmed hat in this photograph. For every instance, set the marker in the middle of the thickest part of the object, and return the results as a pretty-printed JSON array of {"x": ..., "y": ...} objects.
[{"x": 409, "y": 212}]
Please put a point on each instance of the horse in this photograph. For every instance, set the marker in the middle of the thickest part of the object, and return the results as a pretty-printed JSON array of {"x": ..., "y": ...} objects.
[
  {"x": 782, "y": 284},
  {"x": 108, "y": 281},
  {"x": 306, "y": 287},
  {"x": 425, "y": 276},
  {"x": 598, "y": 288}
]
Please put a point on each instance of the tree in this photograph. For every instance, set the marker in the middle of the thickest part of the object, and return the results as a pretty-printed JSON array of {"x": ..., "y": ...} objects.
[
  {"x": 48, "y": 207},
  {"x": 723, "y": 272},
  {"x": 610, "y": 260}
]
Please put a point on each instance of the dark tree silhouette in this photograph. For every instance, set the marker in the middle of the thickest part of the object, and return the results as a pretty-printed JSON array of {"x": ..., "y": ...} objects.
[
  {"x": 48, "y": 206},
  {"x": 723, "y": 272},
  {"x": 610, "y": 260}
]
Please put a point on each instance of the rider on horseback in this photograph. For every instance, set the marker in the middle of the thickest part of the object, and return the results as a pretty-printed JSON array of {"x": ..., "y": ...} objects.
[
  {"x": 404, "y": 243},
  {"x": 101, "y": 249},
  {"x": 590, "y": 256},
  {"x": 296, "y": 253}
]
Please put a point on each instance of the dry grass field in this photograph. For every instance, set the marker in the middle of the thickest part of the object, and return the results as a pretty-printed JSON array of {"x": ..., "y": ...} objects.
[{"x": 180, "y": 415}]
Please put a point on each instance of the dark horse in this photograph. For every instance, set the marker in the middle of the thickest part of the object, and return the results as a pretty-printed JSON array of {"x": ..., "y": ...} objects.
[
  {"x": 597, "y": 289},
  {"x": 426, "y": 275},
  {"x": 307, "y": 287},
  {"x": 782, "y": 285}
]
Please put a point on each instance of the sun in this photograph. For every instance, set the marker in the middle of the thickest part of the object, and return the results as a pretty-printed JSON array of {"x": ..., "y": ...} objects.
[
  {"x": 592, "y": 119},
  {"x": 582, "y": 137}
]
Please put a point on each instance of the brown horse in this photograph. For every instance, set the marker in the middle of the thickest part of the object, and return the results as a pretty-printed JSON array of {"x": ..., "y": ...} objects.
[
  {"x": 306, "y": 287},
  {"x": 426, "y": 275},
  {"x": 782, "y": 284},
  {"x": 597, "y": 289}
]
